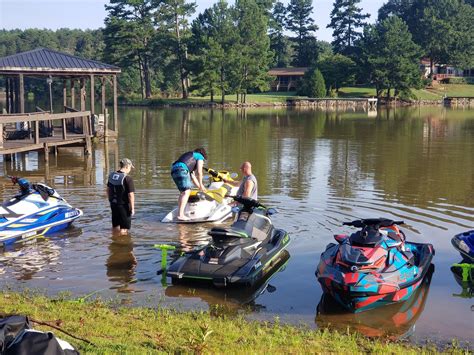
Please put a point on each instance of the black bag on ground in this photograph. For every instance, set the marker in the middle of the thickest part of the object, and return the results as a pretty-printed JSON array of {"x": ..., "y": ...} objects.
[{"x": 17, "y": 338}]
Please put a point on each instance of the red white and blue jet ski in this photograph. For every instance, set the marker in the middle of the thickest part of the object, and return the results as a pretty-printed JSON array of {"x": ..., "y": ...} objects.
[
  {"x": 374, "y": 266},
  {"x": 37, "y": 210}
]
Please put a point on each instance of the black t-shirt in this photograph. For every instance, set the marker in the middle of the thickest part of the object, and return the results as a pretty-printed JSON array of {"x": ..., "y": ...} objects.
[{"x": 128, "y": 186}]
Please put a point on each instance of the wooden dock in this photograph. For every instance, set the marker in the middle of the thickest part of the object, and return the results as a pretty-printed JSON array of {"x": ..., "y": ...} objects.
[
  {"x": 369, "y": 104},
  {"x": 61, "y": 136}
]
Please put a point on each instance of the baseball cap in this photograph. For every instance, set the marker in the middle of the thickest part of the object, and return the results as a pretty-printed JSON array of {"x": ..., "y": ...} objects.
[{"x": 126, "y": 162}]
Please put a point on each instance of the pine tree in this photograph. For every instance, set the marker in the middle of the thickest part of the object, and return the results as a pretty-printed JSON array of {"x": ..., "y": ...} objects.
[
  {"x": 279, "y": 43},
  {"x": 129, "y": 35},
  {"x": 214, "y": 49},
  {"x": 391, "y": 56},
  {"x": 313, "y": 84},
  {"x": 346, "y": 19},
  {"x": 301, "y": 23},
  {"x": 254, "y": 55},
  {"x": 443, "y": 29},
  {"x": 172, "y": 17}
]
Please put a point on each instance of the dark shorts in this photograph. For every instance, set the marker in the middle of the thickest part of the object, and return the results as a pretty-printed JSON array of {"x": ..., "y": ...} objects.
[
  {"x": 181, "y": 178},
  {"x": 121, "y": 216}
]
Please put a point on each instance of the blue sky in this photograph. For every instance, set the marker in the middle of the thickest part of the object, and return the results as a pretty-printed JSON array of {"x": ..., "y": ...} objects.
[{"x": 54, "y": 14}]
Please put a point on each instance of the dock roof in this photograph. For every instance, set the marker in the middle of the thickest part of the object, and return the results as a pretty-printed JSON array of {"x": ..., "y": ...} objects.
[{"x": 43, "y": 61}]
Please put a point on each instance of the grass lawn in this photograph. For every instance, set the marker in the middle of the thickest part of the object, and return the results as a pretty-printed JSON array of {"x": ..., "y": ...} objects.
[
  {"x": 114, "y": 329},
  {"x": 432, "y": 93}
]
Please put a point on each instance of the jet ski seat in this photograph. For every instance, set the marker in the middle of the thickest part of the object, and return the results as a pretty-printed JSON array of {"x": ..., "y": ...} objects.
[{"x": 256, "y": 226}]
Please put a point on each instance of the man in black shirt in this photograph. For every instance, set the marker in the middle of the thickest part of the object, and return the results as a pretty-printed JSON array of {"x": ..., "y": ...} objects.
[{"x": 121, "y": 194}]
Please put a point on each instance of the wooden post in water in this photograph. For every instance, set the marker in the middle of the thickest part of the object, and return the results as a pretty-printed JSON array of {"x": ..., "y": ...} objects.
[
  {"x": 115, "y": 105},
  {"x": 21, "y": 81},
  {"x": 92, "y": 104},
  {"x": 83, "y": 104},
  {"x": 73, "y": 100},
  {"x": 64, "y": 127}
]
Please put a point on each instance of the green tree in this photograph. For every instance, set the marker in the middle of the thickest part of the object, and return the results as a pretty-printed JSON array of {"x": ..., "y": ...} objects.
[
  {"x": 171, "y": 17},
  {"x": 279, "y": 43},
  {"x": 338, "y": 71},
  {"x": 253, "y": 47},
  {"x": 400, "y": 8},
  {"x": 346, "y": 19},
  {"x": 129, "y": 37},
  {"x": 214, "y": 48},
  {"x": 391, "y": 56},
  {"x": 441, "y": 28},
  {"x": 313, "y": 84},
  {"x": 300, "y": 22}
]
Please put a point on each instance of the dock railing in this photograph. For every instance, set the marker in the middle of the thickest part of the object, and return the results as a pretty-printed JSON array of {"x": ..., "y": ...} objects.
[{"x": 36, "y": 142}]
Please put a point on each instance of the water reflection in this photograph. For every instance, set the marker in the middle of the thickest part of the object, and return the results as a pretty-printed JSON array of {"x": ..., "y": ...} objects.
[
  {"x": 231, "y": 301},
  {"x": 396, "y": 321},
  {"x": 33, "y": 259},
  {"x": 465, "y": 280},
  {"x": 121, "y": 263}
]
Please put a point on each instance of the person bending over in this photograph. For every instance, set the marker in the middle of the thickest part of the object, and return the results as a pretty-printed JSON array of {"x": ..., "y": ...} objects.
[{"x": 189, "y": 166}]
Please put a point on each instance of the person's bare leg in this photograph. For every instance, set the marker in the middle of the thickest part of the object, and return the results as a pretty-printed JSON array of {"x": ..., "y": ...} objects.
[
  {"x": 123, "y": 231},
  {"x": 182, "y": 201},
  {"x": 116, "y": 231}
]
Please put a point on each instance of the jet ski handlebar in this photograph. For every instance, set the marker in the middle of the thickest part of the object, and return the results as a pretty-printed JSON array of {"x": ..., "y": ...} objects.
[
  {"x": 372, "y": 222},
  {"x": 247, "y": 202}
]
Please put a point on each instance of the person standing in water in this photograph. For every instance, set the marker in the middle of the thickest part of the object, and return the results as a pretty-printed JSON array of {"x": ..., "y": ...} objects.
[
  {"x": 189, "y": 166},
  {"x": 121, "y": 195},
  {"x": 248, "y": 186}
]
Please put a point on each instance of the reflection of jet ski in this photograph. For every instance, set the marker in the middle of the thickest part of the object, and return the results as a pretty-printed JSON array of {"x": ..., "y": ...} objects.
[
  {"x": 464, "y": 244},
  {"x": 231, "y": 300},
  {"x": 394, "y": 321},
  {"x": 209, "y": 206},
  {"x": 35, "y": 211},
  {"x": 374, "y": 266},
  {"x": 464, "y": 275},
  {"x": 241, "y": 254}
]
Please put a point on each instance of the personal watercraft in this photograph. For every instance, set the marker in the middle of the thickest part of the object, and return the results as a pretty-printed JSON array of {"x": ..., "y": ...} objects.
[
  {"x": 37, "y": 210},
  {"x": 241, "y": 254},
  {"x": 209, "y": 206},
  {"x": 464, "y": 244},
  {"x": 232, "y": 300},
  {"x": 374, "y": 266},
  {"x": 395, "y": 321}
]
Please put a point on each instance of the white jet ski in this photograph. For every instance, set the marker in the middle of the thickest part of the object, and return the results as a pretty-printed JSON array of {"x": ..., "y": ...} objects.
[
  {"x": 210, "y": 206},
  {"x": 37, "y": 210}
]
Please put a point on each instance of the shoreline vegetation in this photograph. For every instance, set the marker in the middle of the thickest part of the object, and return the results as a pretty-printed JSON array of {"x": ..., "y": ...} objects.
[
  {"x": 429, "y": 96},
  {"x": 112, "y": 328}
]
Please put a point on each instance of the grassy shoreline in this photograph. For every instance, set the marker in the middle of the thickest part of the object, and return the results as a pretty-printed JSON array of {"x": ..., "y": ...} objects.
[
  {"x": 431, "y": 95},
  {"x": 116, "y": 329}
]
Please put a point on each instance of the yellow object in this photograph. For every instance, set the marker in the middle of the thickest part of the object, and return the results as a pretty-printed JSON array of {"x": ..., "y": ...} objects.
[{"x": 220, "y": 193}]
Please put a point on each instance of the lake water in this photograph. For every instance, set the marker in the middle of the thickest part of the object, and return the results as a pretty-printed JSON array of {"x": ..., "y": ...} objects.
[{"x": 317, "y": 168}]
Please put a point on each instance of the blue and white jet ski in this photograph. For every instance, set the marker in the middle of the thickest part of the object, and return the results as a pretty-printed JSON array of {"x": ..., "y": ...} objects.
[{"x": 37, "y": 210}]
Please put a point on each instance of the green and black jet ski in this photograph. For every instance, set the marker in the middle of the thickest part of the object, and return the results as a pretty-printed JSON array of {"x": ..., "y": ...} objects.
[
  {"x": 232, "y": 301},
  {"x": 241, "y": 254}
]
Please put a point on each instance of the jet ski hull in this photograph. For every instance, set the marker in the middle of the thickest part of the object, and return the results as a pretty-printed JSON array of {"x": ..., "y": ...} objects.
[
  {"x": 362, "y": 290},
  {"x": 41, "y": 224},
  {"x": 244, "y": 265},
  {"x": 211, "y": 206},
  {"x": 464, "y": 244}
]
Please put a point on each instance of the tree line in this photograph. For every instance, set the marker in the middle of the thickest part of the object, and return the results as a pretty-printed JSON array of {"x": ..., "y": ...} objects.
[{"x": 165, "y": 49}]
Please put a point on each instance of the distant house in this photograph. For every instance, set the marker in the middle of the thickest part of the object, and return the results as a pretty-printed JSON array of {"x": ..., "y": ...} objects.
[
  {"x": 443, "y": 71},
  {"x": 286, "y": 79}
]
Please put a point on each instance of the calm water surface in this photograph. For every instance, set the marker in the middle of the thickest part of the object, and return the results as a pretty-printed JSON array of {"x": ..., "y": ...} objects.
[{"x": 318, "y": 169}]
